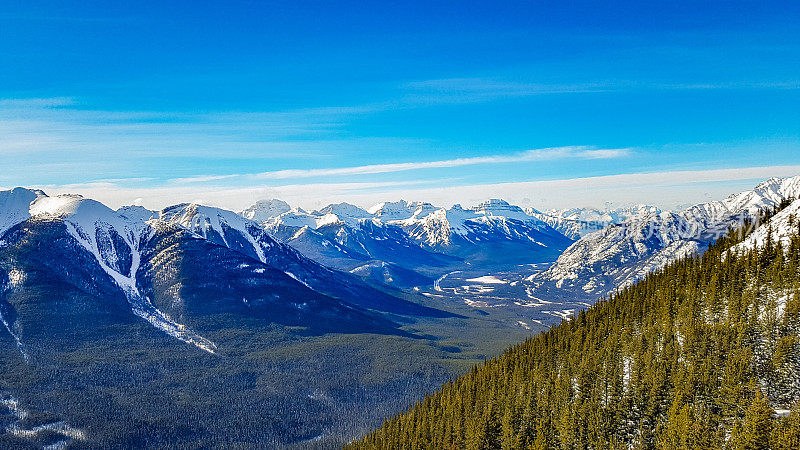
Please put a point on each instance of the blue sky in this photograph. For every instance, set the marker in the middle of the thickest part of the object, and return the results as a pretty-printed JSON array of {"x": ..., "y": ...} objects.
[{"x": 547, "y": 104}]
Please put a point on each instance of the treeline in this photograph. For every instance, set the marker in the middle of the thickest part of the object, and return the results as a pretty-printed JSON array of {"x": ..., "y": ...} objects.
[{"x": 701, "y": 354}]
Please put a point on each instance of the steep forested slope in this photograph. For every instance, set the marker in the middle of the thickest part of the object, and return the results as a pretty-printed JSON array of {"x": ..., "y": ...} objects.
[{"x": 704, "y": 353}]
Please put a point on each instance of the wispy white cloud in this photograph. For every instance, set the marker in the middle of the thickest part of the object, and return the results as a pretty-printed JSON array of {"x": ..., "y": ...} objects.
[
  {"x": 47, "y": 102},
  {"x": 479, "y": 89},
  {"x": 54, "y": 140},
  {"x": 574, "y": 152},
  {"x": 544, "y": 154},
  {"x": 469, "y": 90}
]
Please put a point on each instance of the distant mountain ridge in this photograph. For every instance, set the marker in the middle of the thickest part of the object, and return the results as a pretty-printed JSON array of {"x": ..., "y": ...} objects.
[
  {"x": 577, "y": 222},
  {"x": 392, "y": 245},
  {"x": 405, "y": 237},
  {"x": 620, "y": 254}
]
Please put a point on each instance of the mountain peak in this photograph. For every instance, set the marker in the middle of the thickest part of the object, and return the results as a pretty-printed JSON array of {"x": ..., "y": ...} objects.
[
  {"x": 136, "y": 212},
  {"x": 493, "y": 202},
  {"x": 263, "y": 210},
  {"x": 344, "y": 210},
  {"x": 389, "y": 208},
  {"x": 15, "y": 206},
  {"x": 495, "y": 205},
  {"x": 401, "y": 210}
]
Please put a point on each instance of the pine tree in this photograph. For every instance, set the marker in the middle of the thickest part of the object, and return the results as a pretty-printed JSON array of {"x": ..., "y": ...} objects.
[{"x": 755, "y": 431}]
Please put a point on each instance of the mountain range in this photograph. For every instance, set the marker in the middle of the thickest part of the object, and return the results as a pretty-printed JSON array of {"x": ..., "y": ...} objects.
[
  {"x": 342, "y": 258},
  {"x": 622, "y": 253},
  {"x": 95, "y": 299},
  {"x": 409, "y": 244},
  {"x": 136, "y": 251}
]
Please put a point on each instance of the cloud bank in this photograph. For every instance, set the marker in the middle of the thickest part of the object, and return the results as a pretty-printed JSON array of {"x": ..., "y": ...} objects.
[{"x": 666, "y": 189}]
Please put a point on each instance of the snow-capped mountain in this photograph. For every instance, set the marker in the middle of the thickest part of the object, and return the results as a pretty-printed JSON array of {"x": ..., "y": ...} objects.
[
  {"x": 114, "y": 241},
  {"x": 265, "y": 209},
  {"x": 342, "y": 212},
  {"x": 15, "y": 206},
  {"x": 345, "y": 238},
  {"x": 167, "y": 267},
  {"x": 493, "y": 232},
  {"x": 620, "y": 254},
  {"x": 417, "y": 236},
  {"x": 231, "y": 230},
  {"x": 401, "y": 210},
  {"x": 137, "y": 213},
  {"x": 577, "y": 222}
]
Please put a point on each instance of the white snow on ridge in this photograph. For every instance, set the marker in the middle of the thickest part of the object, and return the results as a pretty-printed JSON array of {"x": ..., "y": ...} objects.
[
  {"x": 15, "y": 206},
  {"x": 344, "y": 211},
  {"x": 423, "y": 222},
  {"x": 577, "y": 222},
  {"x": 137, "y": 213},
  {"x": 265, "y": 209},
  {"x": 202, "y": 220},
  {"x": 401, "y": 210},
  {"x": 438, "y": 227},
  {"x": 621, "y": 254},
  {"x": 779, "y": 229}
]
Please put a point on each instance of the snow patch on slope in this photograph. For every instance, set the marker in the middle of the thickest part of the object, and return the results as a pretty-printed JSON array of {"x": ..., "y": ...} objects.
[
  {"x": 487, "y": 279},
  {"x": 17, "y": 429},
  {"x": 14, "y": 331}
]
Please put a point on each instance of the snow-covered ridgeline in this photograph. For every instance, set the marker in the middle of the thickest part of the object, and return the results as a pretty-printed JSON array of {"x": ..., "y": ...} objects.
[
  {"x": 577, "y": 222},
  {"x": 214, "y": 224},
  {"x": 15, "y": 206},
  {"x": 780, "y": 229},
  {"x": 422, "y": 221},
  {"x": 265, "y": 209},
  {"x": 621, "y": 254},
  {"x": 112, "y": 238}
]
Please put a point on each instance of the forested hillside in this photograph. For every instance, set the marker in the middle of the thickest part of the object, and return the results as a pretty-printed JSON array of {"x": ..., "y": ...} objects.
[{"x": 704, "y": 353}]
